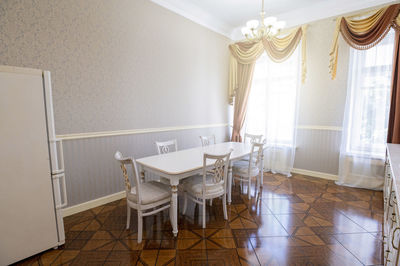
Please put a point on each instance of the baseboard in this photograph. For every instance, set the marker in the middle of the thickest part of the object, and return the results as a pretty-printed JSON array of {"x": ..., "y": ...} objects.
[
  {"x": 120, "y": 195},
  {"x": 93, "y": 203},
  {"x": 315, "y": 174}
]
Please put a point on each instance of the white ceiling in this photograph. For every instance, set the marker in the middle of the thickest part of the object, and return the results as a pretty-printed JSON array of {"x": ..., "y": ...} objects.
[{"x": 227, "y": 16}]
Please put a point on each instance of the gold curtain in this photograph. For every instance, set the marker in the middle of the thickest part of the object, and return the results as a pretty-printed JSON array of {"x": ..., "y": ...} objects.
[
  {"x": 277, "y": 48},
  {"x": 363, "y": 33},
  {"x": 245, "y": 77}
]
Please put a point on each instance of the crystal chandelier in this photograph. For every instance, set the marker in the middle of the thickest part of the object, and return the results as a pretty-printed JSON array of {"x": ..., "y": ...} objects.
[{"x": 265, "y": 28}]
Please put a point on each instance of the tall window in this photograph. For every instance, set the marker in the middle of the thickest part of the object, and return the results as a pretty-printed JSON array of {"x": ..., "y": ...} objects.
[
  {"x": 366, "y": 115},
  {"x": 272, "y": 102},
  {"x": 272, "y": 109},
  {"x": 368, "y": 110}
]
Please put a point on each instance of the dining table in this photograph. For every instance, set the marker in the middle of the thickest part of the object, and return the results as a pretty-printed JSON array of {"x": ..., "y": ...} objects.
[{"x": 178, "y": 165}]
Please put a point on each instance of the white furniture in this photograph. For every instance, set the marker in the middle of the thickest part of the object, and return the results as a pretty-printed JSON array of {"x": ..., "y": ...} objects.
[
  {"x": 147, "y": 198},
  {"x": 31, "y": 166},
  {"x": 246, "y": 170},
  {"x": 252, "y": 138},
  {"x": 166, "y": 146},
  {"x": 179, "y": 165},
  {"x": 207, "y": 140},
  {"x": 211, "y": 185},
  {"x": 391, "y": 218}
]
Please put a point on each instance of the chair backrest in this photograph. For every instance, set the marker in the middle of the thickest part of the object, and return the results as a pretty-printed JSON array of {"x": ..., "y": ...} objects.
[
  {"x": 252, "y": 138},
  {"x": 167, "y": 146},
  {"x": 207, "y": 140},
  {"x": 219, "y": 171},
  {"x": 129, "y": 161},
  {"x": 258, "y": 148}
]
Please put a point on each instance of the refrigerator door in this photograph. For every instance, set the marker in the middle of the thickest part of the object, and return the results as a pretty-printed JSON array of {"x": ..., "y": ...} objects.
[
  {"x": 28, "y": 219},
  {"x": 57, "y": 166},
  {"x": 56, "y": 159}
]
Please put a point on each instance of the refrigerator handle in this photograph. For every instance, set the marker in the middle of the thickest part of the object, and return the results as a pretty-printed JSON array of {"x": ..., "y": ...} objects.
[
  {"x": 61, "y": 176},
  {"x": 60, "y": 153}
]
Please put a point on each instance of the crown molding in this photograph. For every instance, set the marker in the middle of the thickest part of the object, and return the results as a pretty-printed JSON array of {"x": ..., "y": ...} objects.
[
  {"x": 328, "y": 9},
  {"x": 196, "y": 14}
]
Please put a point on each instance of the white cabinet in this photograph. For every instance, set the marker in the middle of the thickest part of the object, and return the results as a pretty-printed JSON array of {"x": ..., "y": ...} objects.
[{"x": 391, "y": 221}]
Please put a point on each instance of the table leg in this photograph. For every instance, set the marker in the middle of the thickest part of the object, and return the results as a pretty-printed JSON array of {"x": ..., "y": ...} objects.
[
  {"x": 142, "y": 176},
  {"x": 174, "y": 207},
  {"x": 230, "y": 183},
  {"x": 262, "y": 170}
]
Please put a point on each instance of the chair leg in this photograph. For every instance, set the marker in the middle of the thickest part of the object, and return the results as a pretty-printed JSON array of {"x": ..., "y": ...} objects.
[
  {"x": 224, "y": 207},
  {"x": 257, "y": 186},
  {"x": 249, "y": 188},
  {"x": 128, "y": 216},
  {"x": 204, "y": 213},
  {"x": 171, "y": 219},
  {"x": 140, "y": 227},
  {"x": 211, "y": 200},
  {"x": 184, "y": 202}
]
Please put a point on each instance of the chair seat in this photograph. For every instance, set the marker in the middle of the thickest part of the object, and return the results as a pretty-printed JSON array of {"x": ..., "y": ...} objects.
[
  {"x": 194, "y": 186},
  {"x": 247, "y": 158},
  {"x": 151, "y": 192},
  {"x": 242, "y": 168}
]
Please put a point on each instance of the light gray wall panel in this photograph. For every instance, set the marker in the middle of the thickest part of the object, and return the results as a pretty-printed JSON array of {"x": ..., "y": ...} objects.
[
  {"x": 119, "y": 64},
  {"x": 92, "y": 172},
  {"x": 322, "y": 99},
  {"x": 318, "y": 150}
]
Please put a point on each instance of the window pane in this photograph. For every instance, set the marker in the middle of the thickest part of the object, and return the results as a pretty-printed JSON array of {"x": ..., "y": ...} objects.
[
  {"x": 272, "y": 102},
  {"x": 369, "y": 80}
]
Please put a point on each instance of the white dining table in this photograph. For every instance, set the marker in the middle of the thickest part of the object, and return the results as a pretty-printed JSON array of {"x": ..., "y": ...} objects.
[{"x": 176, "y": 166}]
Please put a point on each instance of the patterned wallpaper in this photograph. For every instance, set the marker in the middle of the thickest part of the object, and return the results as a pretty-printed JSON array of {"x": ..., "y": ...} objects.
[{"x": 119, "y": 64}]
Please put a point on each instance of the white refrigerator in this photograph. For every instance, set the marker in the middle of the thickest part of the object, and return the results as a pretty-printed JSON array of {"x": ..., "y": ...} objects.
[{"x": 32, "y": 180}]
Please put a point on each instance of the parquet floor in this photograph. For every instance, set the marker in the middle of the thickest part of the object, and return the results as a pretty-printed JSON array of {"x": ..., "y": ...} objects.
[{"x": 298, "y": 221}]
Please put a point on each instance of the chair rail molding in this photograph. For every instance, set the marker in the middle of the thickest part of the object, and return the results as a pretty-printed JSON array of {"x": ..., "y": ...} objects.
[{"x": 87, "y": 135}]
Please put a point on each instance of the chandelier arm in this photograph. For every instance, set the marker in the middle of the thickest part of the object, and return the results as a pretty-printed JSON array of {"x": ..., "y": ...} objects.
[{"x": 262, "y": 30}]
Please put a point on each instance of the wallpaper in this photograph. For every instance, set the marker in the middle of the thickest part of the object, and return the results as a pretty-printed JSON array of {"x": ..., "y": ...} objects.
[{"x": 122, "y": 64}]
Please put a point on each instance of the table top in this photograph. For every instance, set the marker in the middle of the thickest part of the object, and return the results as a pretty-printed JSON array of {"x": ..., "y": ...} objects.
[{"x": 183, "y": 161}]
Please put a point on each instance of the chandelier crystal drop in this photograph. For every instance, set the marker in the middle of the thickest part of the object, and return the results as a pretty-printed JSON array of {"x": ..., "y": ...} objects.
[{"x": 264, "y": 28}]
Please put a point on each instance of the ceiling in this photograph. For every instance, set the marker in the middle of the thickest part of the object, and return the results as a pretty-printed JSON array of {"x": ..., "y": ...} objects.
[
  {"x": 228, "y": 16},
  {"x": 236, "y": 12}
]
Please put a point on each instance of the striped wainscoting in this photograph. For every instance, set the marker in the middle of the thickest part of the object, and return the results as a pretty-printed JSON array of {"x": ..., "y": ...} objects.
[
  {"x": 318, "y": 150},
  {"x": 91, "y": 171},
  {"x": 93, "y": 177}
]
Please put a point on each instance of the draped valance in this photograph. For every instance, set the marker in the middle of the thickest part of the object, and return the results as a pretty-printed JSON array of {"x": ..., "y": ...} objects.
[
  {"x": 363, "y": 33},
  {"x": 277, "y": 48}
]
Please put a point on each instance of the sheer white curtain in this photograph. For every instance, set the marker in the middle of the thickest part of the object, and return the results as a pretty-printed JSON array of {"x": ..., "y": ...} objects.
[
  {"x": 366, "y": 116},
  {"x": 272, "y": 110}
]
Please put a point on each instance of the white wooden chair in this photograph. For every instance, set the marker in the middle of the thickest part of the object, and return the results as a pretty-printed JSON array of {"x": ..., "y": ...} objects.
[
  {"x": 147, "y": 198},
  {"x": 213, "y": 184},
  {"x": 167, "y": 146},
  {"x": 207, "y": 140},
  {"x": 252, "y": 138},
  {"x": 244, "y": 170}
]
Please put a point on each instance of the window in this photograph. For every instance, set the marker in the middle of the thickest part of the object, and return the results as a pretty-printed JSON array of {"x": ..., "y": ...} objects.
[
  {"x": 272, "y": 109},
  {"x": 368, "y": 110},
  {"x": 272, "y": 101}
]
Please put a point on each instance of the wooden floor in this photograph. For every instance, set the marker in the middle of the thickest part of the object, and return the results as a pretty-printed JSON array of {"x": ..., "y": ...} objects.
[{"x": 298, "y": 221}]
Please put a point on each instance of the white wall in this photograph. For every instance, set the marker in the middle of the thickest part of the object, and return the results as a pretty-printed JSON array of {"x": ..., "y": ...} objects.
[
  {"x": 322, "y": 102},
  {"x": 120, "y": 64}
]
